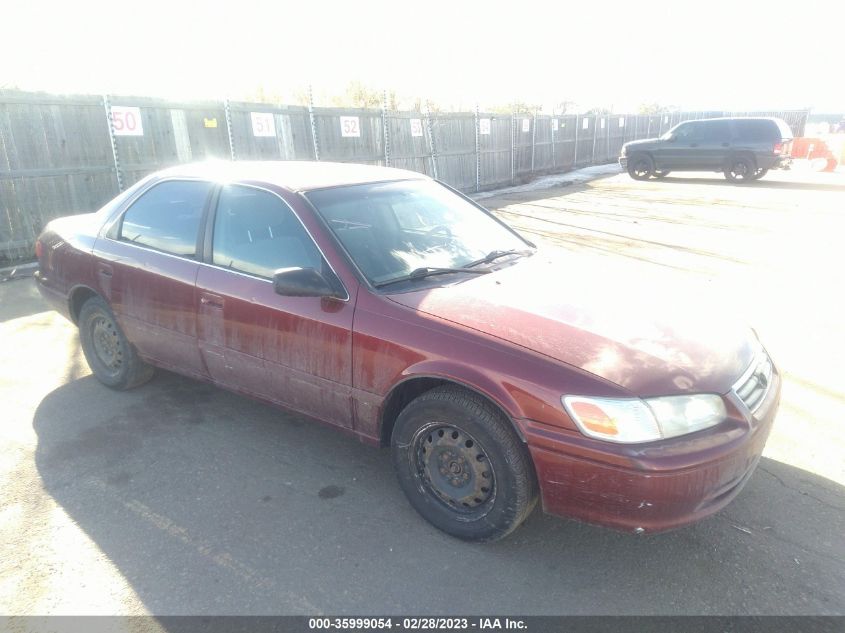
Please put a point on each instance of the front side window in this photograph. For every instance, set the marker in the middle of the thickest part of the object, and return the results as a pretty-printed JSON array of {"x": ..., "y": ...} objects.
[
  {"x": 691, "y": 131},
  {"x": 391, "y": 229},
  {"x": 255, "y": 232},
  {"x": 167, "y": 217}
]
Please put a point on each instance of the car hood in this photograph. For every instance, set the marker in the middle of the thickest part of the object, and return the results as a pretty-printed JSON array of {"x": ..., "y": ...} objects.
[
  {"x": 642, "y": 144},
  {"x": 647, "y": 338}
]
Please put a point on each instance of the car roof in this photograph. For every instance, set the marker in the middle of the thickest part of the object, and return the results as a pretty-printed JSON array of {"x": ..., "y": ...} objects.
[
  {"x": 292, "y": 175},
  {"x": 740, "y": 118}
]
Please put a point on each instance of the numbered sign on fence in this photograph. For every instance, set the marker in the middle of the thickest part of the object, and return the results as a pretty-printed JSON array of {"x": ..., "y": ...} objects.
[
  {"x": 416, "y": 127},
  {"x": 484, "y": 126},
  {"x": 126, "y": 121},
  {"x": 554, "y": 125},
  {"x": 585, "y": 123},
  {"x": 263, "y": 124},
  {"x": 526, "y": 125},
  {"x": 602, "y": 124},
  {"x": 622, "y": 121},
  {"x": 350, "y": 126}
]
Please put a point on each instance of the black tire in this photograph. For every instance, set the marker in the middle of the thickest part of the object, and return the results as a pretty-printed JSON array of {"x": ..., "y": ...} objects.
[
  {"x": 110, "y": 356},
  {"x": 740, "y": 169},
  {"x": 759, "y": 173},
  {"x": 640, "y": 166},
  {"x": 660, "y": 174},
  {"x": 462, "y": 465}
]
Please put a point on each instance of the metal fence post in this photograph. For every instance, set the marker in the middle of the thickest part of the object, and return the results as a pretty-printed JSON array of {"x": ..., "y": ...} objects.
[
  {"x": 552, "y": 128},
  {"x": 477, "y": 151},
  {"x": 313, "y": 123},
  {"x": 575, "y": 153},
  {"x": 385, "y": 129},
  {"x": 607, "y": 155},
  {"x": 533, "y": 140},
  {"x": 227, "y": 112},
  {"x": 431, "y": 145},
  {"x": 595, "y": 136},
  {"x": 513, "y": 148},
  {"x": 115, "y": 157}
]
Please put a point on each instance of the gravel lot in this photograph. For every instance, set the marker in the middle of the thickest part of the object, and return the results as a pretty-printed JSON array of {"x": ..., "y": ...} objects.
[{"x": 179, "y": 498}]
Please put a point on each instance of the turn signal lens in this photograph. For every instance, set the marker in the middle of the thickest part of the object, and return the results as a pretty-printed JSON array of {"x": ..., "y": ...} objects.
[
  {"x": 39, "y": 248},
  {"x": 594, "y": 418},
  {"x": 623, "y": 420}
]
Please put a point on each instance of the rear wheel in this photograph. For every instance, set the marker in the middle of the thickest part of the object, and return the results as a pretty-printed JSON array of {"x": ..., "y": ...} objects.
[
  {"x": 759, "y": 173},
  {"x": 661, "y": 174},
  {"x": 462, "y": 466},
  {"x": 740, "y": 169},
  {"x": 110, "y": 356},
  {"x": 640, "y": 167}
]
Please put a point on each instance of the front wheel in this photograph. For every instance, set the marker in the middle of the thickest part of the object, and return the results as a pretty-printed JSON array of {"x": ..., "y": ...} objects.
[
  {"x": 462, "y": 466},
  {"x": 759, "y": 173},
  {"x": 661, "y": 174},
  {"x": 640, "y": 167},
  {"x": 110, "y": 356}
]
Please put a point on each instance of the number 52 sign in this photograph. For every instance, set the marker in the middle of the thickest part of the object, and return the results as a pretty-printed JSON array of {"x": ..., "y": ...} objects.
[
  {"x": 126, "y": 121},
  {"x": 350, "y": 126}
]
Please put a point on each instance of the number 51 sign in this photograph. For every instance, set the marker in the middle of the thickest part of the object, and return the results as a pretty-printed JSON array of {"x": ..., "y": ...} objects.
[{"x": 126, "y": 121}]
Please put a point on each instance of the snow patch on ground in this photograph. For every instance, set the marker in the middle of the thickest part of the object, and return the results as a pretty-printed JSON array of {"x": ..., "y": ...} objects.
[{"x": 555, "y": 180}]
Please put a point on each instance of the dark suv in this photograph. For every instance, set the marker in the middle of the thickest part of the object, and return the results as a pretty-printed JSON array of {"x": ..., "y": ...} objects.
[{"x": 743, "y": 149}]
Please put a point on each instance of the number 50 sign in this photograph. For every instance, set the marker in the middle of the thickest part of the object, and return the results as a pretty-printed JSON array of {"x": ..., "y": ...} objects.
[{"x": 126, "y": 121}]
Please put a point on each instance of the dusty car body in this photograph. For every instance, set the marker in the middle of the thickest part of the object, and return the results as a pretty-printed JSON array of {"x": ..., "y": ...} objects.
[{"x": 491, "y": 390}]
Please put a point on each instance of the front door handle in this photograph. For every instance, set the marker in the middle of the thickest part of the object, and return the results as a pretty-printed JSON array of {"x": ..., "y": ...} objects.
[
  {"x": 104, "y": 270},
  {"x": 693, "y": 144},
  {"x": 726, "y": 144}
]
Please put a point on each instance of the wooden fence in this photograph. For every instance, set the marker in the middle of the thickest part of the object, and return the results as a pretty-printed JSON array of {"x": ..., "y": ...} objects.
[{"x": 69, "y": 154}]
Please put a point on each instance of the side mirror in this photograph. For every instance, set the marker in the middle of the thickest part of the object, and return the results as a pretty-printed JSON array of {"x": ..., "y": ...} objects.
[{"x": 305, "y": 282}]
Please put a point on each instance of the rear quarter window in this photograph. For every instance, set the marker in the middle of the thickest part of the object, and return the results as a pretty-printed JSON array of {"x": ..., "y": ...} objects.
[{"x": 756, "y": 130}]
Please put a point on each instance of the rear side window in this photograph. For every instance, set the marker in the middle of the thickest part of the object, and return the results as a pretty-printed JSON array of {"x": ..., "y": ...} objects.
[
  {"x": 718, "y": 131},
  {"x": 255, "y": 232},
  {"x": 756, "y": 130},
  {"x": 167, "y": 217}
]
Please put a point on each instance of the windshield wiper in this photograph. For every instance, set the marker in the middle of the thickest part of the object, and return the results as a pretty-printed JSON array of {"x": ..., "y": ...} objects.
[
  {"x": 428, "y": 271},
  {"x": 494, "y": 255}
]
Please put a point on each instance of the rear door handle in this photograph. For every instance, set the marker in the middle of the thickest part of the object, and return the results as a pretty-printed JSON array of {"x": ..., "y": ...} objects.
[
  {"x": 104, "y": 270},
  {"x": 726, "y": 144},
  {"x": 212, "y": 301}
]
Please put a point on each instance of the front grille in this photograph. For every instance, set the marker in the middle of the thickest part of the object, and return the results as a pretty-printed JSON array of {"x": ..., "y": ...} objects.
[{"x": 754, "y": 384}]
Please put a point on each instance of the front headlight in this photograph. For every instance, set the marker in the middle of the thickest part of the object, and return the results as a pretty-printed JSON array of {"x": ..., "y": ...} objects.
[
  {"x": 623, "y": 150},
  {"x": 634, "y": 420}
]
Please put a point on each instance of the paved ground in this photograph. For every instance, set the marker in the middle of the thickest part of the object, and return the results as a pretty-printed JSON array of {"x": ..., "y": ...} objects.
[{"x": 181, "y": 498}]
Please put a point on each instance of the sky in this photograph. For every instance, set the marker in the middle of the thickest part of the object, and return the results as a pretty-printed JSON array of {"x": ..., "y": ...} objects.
[{"x": 738, "y": 55}]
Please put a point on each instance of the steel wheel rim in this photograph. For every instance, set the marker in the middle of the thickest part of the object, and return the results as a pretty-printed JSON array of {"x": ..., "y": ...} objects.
[
  {"x": 107, "y": 345},
  {"x": 455, "y": 469}
]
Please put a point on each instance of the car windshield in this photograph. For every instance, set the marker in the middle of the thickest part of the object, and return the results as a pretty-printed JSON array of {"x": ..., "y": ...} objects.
[{"x": 395, "y": 228}]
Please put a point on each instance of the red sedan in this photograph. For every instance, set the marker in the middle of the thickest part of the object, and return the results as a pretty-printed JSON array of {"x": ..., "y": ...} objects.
[{"x": 399, "y": 311}]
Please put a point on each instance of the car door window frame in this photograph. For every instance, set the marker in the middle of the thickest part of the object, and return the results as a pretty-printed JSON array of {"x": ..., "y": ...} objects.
[
  {"x": 114, "y": 226},
  {"x": 207, "y": 237}
]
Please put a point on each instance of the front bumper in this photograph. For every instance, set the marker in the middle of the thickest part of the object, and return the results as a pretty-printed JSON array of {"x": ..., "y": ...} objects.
[
  {"x": 623, "y": 162},
  {"x": 650, "y": 487}
]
